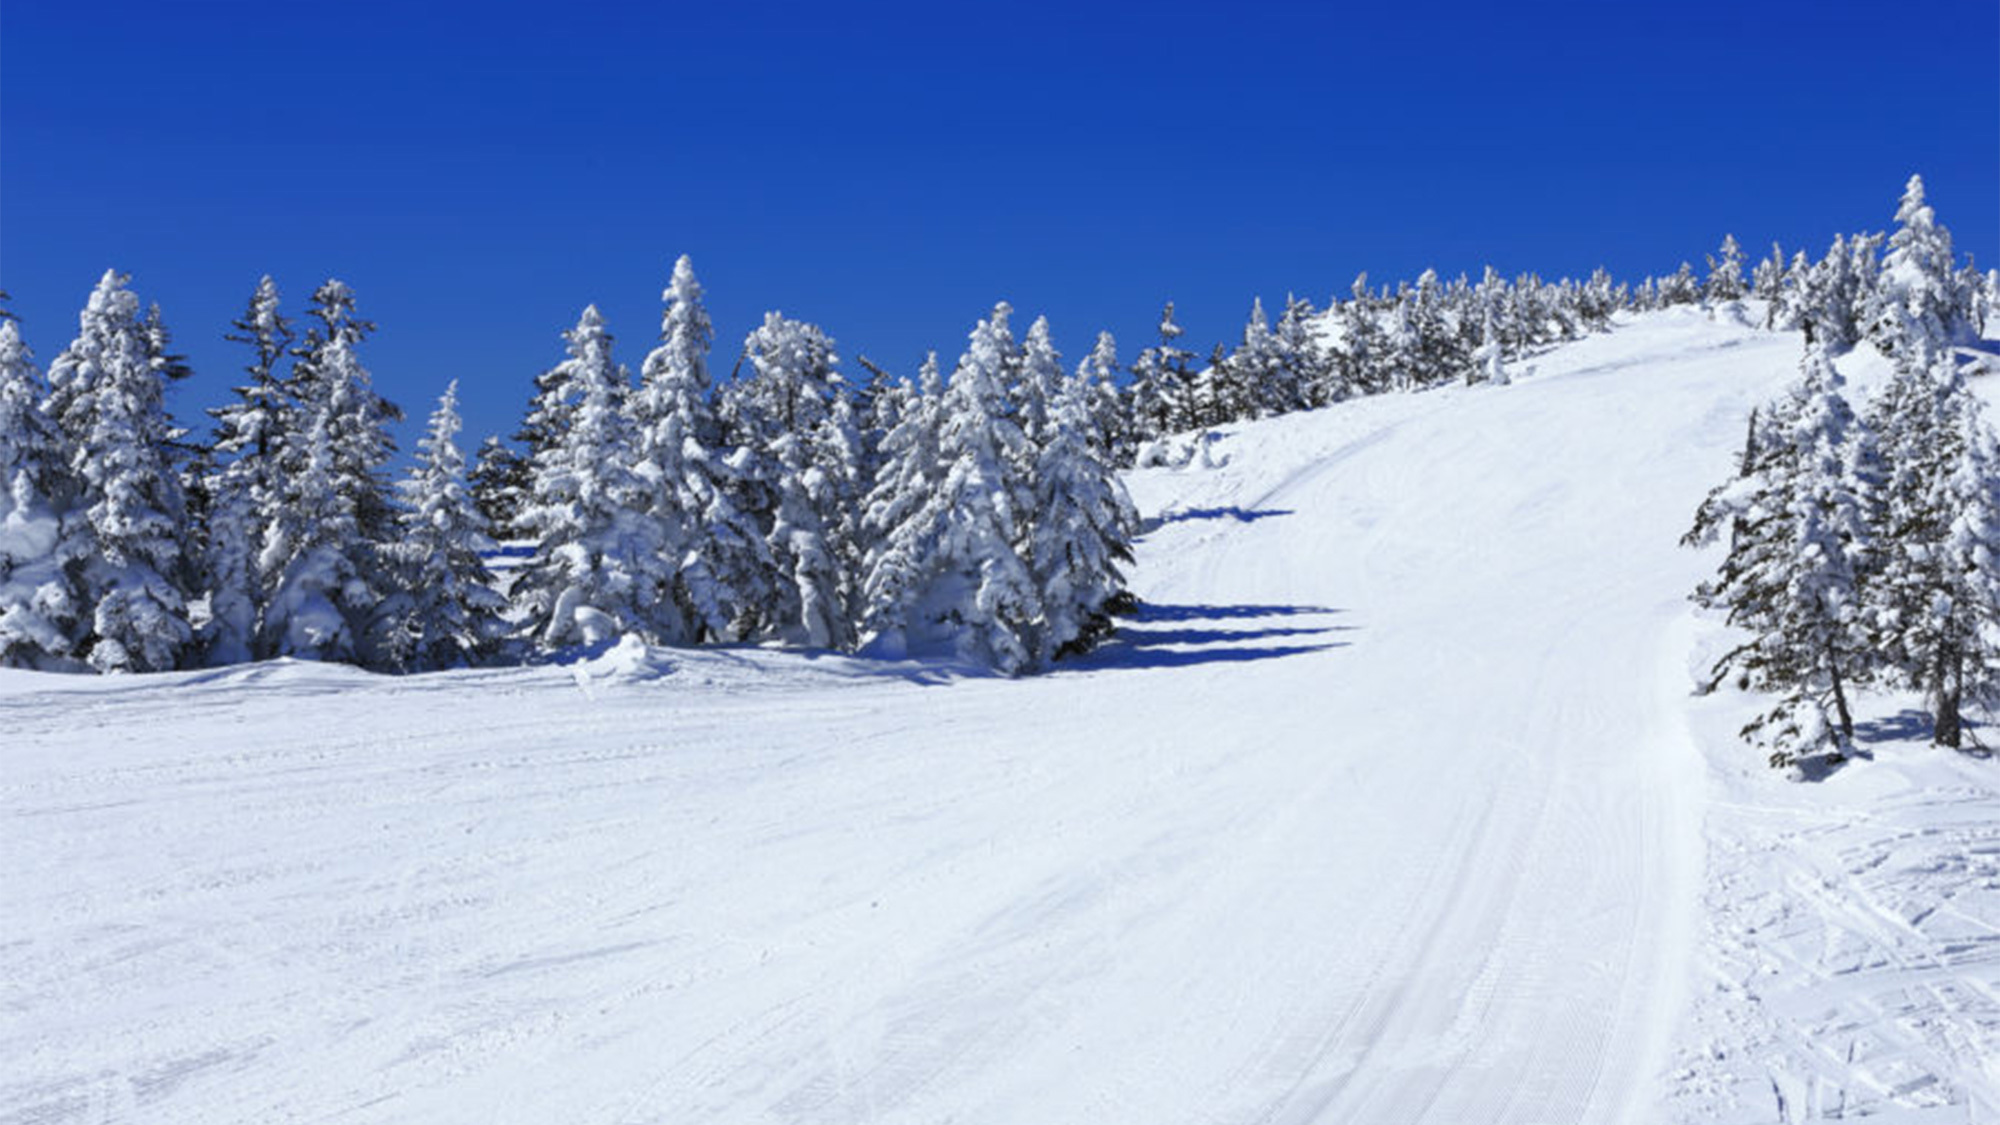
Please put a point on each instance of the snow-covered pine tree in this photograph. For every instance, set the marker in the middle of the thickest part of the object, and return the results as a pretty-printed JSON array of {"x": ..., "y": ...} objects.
[
  {"x": 1432, "y": 353},
  {"x": 981, "y": 597},
  {"x": 38, "y": 598},
  {"x": 1767, "y": 284},
  {"x": 1110, "y": 435},
  {"x": 1491, "y": 357},
  {"x": 1799, "y": 552},
  {"x": 1163, "y": 391},
  {"x": 903, "y": 516},
  {"x": 1917, "y": 303},
  {"x": 129, "y": 506},
  {"x": 1680, "y": 288},
  {"x": 1362, "y": 359},
  {"x": 1036, "y": 377},
  {"x": 721, "y": 565},
  {"x": 451, "y": 614},
  {"x": 1937, "y": 601},
  {"x": 1310, "y": 378},
  {"x": 1083, "y": 525},
  {"x": 601, "y": 565},
  {"x": 327, "y": 551},
  {"x": 1602, "y": 298},
  {"x": 499, "y": 480},
  {"x": 1261, "y": 381},
  {"x": 1725, "y": 274},
  {"x": 878, "y": 404},
  {"x": 242, "y": 489},
  {"x": 793, "y": 418}
]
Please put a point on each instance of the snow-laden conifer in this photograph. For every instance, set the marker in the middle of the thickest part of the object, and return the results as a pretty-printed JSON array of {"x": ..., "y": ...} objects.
[
  {"x": 499, "y": 480},
  {"x": 796, "y": 423},
  {"x": 1725, "y": 273},
  {"x": 328, "y": 549},
  {"x": 980, "y": 597},
  {"x": 1937, "y": 597},
  {"x": 1307, "y": 366},
  {"x": 450, "y": 614},
  {"x": 38, "y": 600},
  {"x": 720, "y": 561},
  {"x": 1110, "y": 434},
  {"x": 903, "y": 516},
  {"x": 601, "y": 564},
  {"x": 1917, "y": 304},
  {"x": 243, "y": 487},
  {"x": 129, "y": 507},
  {"x": 1799, "y": 550},
  {"x": 1083, "y": 524},
  {"x": 1163, "y": 393}
]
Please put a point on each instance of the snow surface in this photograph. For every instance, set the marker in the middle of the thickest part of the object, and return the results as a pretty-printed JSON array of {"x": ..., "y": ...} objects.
[{"x": 1392, "y": 806}]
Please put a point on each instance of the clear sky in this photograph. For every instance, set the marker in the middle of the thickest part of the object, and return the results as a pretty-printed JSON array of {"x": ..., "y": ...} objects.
[{"x": 479, "y": 173}]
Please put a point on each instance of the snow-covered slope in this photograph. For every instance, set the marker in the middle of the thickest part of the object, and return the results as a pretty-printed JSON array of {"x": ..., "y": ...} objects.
[{"x": 1389, "y": 808}]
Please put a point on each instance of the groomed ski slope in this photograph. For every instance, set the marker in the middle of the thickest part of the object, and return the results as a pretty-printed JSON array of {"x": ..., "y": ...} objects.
[{"x": 1386, "y": 810}]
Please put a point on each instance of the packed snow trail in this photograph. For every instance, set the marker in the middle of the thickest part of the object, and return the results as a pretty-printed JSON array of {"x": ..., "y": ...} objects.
[{"x": 1384, "y": 811}]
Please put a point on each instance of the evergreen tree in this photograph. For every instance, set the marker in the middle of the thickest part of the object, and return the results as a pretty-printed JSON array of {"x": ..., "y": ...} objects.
[
  {"x": 1938, "y": 598},
  {"x": 1262, "y": 379},
  {"x": 722, "y": 565},
  {"x": 946, "y": 515},
  {"x": 129, "y": 507},
  {"x": 1725, "y": 274},
  {"x": 244, "y": 488},
  {"x": 1918, "y": 305},
  {"x": 1309, "y": 370},
  {"x": 1163, "y": 392},
  {"x": 38, "y": 598},
  {"x": 1681, "y": 288},
  {"x": 451, "y": 614},
  {"x": 328, "y": 549},
  {"x": 903, "y": 517},
  {"x": 878, "y": 404},
  {"x": 1110, "y": 435},
  {"x": 981, "y": 597},
  {"x": 1796, "y": 569},
  {"x": 601, "y": 562},
  {"x": 1767, "y": 284},
  {"x": 1363, "y": 358},
  {"x": 1039, "y": 380},
  {"x": 1083, "y": 525},
  {"x": 500, "y": 479},
  {"x": 1491, "y": 355},
  {"x": 797, "y": 424}
]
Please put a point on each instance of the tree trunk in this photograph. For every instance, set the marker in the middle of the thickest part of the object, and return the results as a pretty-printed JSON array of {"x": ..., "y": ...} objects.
[
  {"x": 1945, "y": 725},
  {"x": 1839, "y": 699}
]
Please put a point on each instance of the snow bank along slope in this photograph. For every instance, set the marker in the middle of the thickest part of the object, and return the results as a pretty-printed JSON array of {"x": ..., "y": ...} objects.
[{"x": 1386, "y": 810}]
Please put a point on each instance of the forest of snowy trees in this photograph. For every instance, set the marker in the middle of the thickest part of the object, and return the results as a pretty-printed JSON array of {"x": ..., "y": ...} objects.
[
  {"x": 976, "y": 515},
  {"x": 1865, "y": 547}
]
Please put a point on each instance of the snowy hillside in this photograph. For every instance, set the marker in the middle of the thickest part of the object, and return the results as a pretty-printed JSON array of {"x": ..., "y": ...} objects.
[{"x": 1393, "y": 805}]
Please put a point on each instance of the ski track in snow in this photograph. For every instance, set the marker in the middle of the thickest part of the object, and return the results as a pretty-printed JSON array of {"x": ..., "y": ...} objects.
[{"x": 1386, "y": 809}]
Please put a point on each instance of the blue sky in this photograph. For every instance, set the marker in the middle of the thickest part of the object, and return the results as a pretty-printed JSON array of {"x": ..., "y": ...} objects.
[{"x": 480, "y": 173}]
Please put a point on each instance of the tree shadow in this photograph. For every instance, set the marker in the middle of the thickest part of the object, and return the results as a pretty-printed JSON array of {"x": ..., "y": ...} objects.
[
  {"x": 1908, "y": 725},
  {"x": 1135, "y": 646},
  {"x": 1152, "y": 611},
  {"x": 1161, "y": 637},
  {"x": 1240, "y": 515},
  {"x": 1913, "y": 725}
]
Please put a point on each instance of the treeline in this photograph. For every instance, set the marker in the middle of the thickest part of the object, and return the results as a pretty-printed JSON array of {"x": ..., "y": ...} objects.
[
  {"x": 1864, "y": 548},
  {"x": 977, "y": 515},
  {"x": 983, "y": 518}
]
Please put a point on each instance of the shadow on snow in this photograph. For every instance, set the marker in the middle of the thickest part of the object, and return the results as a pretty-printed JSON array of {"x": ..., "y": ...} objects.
[{"x": 1135, "y": 645}]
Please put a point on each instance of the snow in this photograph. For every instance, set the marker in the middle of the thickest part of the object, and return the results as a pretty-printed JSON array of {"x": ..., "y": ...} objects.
[{"x": 1393, "y": 805}]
